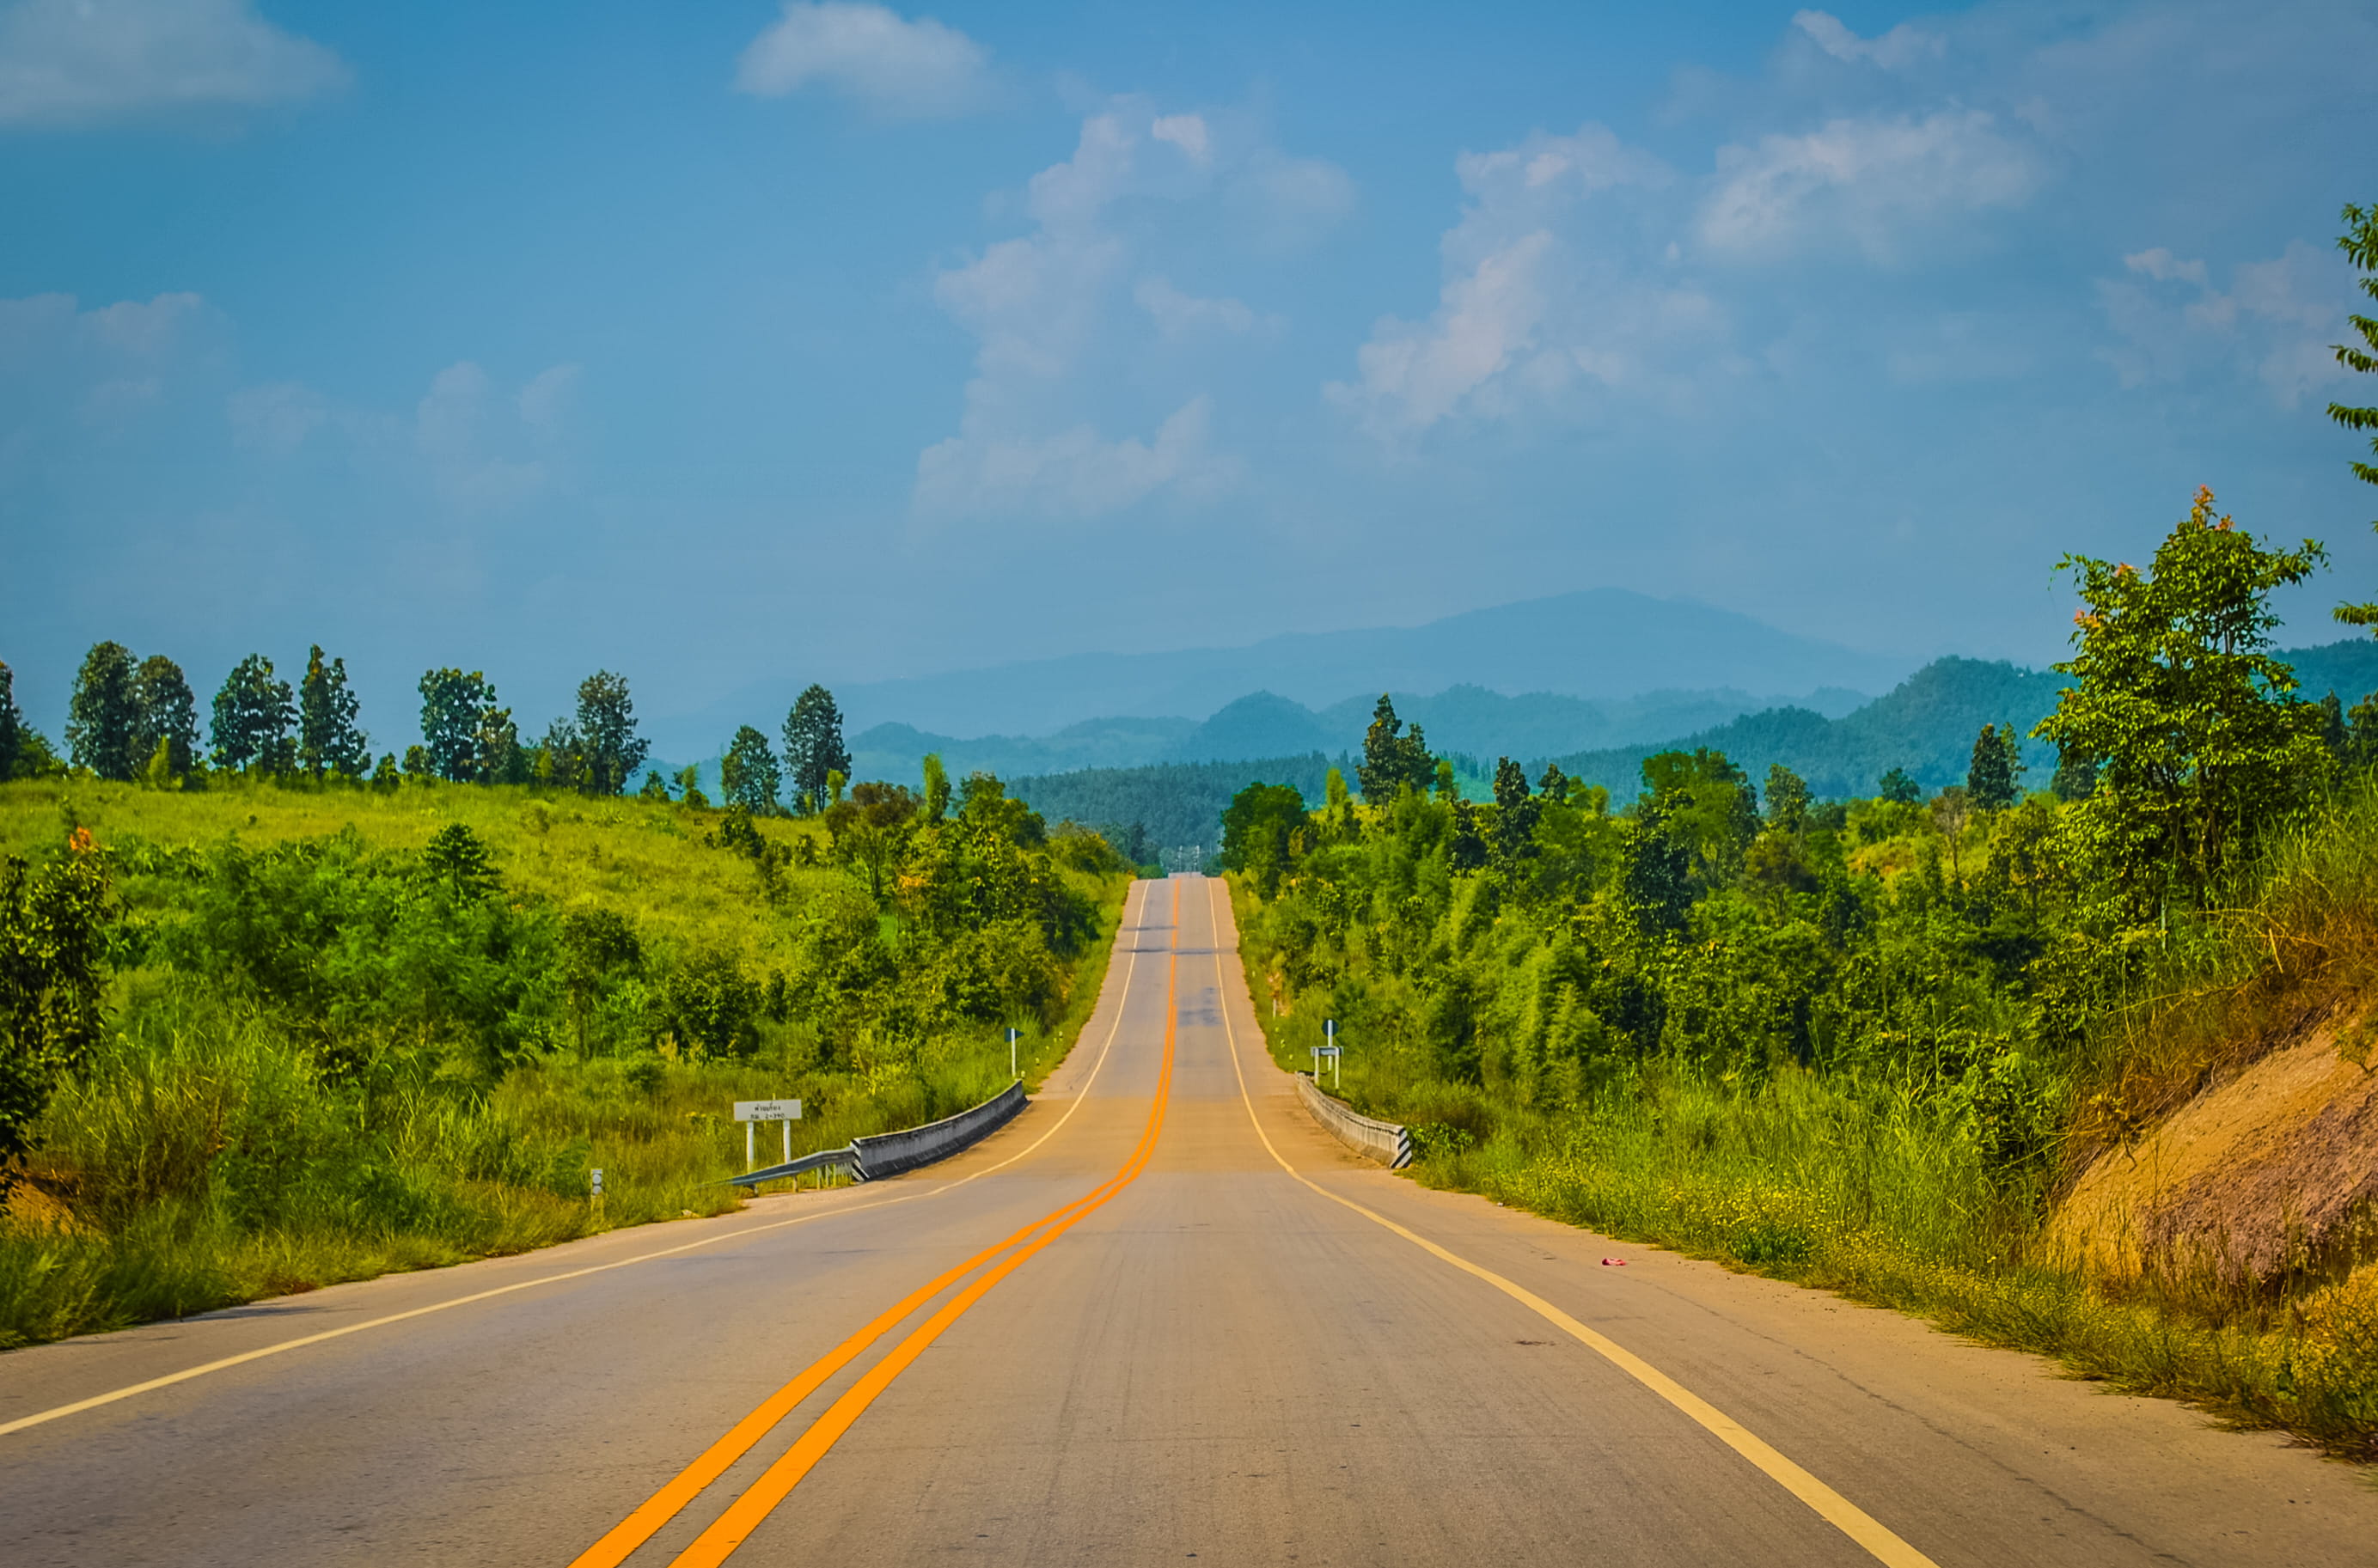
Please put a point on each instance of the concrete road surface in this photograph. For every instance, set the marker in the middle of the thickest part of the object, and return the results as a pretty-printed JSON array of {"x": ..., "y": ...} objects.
[{"x": 1212, "y": 1335}]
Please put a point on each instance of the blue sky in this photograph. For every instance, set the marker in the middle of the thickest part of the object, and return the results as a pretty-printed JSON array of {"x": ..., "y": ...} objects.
[{"x": 704, "y": 342}]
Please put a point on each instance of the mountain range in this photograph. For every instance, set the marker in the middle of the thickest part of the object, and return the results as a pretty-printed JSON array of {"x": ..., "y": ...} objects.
[{"x": 1601, "y": 645}]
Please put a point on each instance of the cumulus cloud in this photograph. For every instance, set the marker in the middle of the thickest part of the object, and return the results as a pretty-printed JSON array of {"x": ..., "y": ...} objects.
[
  {"x": 2275, "y": 322},
  {"x": 1180, "y": 316},
  {"x": 1043, "y": 306},
  {"x": 107, "y": 363},
  {"x": 70, "y": 61},
  {"x": 1879, "y": 183},
  {"x": 473, "y": 452},
  {"x": 1537, "y": 299},
  {"x": 1900, "y": 47},
  {"x": 905, "y": 69},
  {"x": 1075, "y": 474},
  {"x": 277, "y": 417}
]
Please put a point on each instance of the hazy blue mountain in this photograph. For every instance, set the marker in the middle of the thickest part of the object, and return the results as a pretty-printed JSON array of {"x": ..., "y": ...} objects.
[
  {"x": 1927, "y": 725},
  {"x": 896, "y": 751},
  {"x": 1466, "y": 719},
  {"x": 1603, "y": 643}
]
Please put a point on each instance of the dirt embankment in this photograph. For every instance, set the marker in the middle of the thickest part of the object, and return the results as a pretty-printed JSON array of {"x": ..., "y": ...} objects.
[{"x": 2268, "y": 1172}]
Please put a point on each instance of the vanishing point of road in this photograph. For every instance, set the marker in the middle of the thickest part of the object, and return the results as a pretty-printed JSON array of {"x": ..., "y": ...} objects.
[{"x": 1159, "y": 1318}]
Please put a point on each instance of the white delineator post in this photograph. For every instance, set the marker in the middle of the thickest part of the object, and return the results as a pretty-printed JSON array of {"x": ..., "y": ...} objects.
[
  {"x": 750, "y": 1113},
  {"x": 1011, "y": 1055}
]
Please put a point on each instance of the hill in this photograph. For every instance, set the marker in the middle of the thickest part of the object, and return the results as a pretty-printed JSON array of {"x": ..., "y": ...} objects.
[
  {"x": 1601, "y": 644},
  {"x": 1175, "y": 804},
  {"x": 1925, "y": 726}
]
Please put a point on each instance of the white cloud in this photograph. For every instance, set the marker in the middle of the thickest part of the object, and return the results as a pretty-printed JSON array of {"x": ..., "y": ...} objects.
[
  {"x": 1537, "y": 299},
  {"x": 1075, "y": 474},
  {"x": 469, "y": 449},
  {"x": 907, "y": 69},
  {"x": 1900, "y": 47},
  {"x": 1044, "y": 308},
  {"x": 277, "y": 417},
  {"x": 1882, "y": 184},
  {"x": 1186, "y": 132},
  {"x": 1178, "y": 316},
  {"x": 67, "y": 62},
  {"x": 2275, "y": 322},
  {"x": 546, "y": 396}
]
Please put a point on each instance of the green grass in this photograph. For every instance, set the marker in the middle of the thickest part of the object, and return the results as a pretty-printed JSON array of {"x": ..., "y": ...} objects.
[{"x": 206, "y": 1156}]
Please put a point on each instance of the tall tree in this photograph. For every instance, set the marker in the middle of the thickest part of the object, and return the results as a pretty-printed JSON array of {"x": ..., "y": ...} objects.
[
  {"x": 607, "y": 728},
  {"x": 1787, "y": 799},
  {"x": 1259, "y": 833},
  {"x": 1516, "y": 812},
  {"x": 104, "y": 717},
  {"x": 252, "y": 717},
  {"x": 871, "y": 827},
  {"x": 1997, "y": 764},
  {"x": 813, "y": 747},
  {"x": 327, "y": 738},
  {"x": 168, "y": 713},
  {"x": 1896, "y": 785},
  {"x": 2360, "y": 242},
  {"x": 12, "y": 725},
  {"x": 748, "y": 775},
  {"x": 455, "y": 709},
  {"x": 937, "y": 787},
  {"x": 2176, "y": 688},
  {"x": 1392, "y": 759}
]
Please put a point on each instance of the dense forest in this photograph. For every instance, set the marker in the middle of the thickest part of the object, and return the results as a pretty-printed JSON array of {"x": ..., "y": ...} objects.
[
  {"x": 1873, "y": 1042},
  {"x": 273, "y": 1014}
]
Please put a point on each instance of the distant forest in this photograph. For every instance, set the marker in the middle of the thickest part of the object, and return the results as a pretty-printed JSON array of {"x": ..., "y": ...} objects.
[
  {"x": 1143, "y": 811},
  {"x": 1924, "y": 727}
]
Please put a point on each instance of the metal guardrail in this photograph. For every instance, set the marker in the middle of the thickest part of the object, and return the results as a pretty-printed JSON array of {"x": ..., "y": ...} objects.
[
  {"x": 1387, "y": 1142},
  {"x": 889, "y": 1154}
]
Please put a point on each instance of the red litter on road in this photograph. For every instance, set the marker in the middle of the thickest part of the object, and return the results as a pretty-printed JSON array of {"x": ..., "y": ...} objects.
[{"x": 1614, "y": 1262}]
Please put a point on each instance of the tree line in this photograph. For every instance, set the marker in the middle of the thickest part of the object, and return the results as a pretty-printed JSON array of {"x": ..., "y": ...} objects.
[{"x": 136, "y": 720}]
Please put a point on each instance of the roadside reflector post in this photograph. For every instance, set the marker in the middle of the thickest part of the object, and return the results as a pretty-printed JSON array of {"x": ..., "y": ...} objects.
[
  {"x": 1011, "y": 1054},
  {"x": 750, "y": 1113},
  {"x": 596, "y": 1189}
]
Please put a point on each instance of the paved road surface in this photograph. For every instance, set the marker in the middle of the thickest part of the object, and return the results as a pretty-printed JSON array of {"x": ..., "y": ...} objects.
[{"x": 1226, "y": 1342}]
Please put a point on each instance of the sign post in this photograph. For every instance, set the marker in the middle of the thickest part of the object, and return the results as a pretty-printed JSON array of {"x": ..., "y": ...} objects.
[
  {"x": 1011, "y": 1054},
  {"x": 597, "y": 1187},
  {"x": 750, "y": 1113}
]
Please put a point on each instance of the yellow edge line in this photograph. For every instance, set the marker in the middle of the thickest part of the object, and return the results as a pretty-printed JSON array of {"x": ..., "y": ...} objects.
[
  {"x": 1828, "y": 1504},
  {"x": 282, "y": 1348},
  {"x": 749, "y": 1510}
]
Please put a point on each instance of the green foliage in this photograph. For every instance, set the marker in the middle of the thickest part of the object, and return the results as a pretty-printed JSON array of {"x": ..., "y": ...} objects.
[
  {"x": 53, "y": 921},
  {"x": 813, "y": 747},
  {"x": 607, "y": 750},
  {"x": 2360, "y": 244},
  {"x": 253, "y": 714},
  {"x": 166, "y": 716},
  {"x": 748, "y": 776},
  {"x": 937, "y": 788},
  {"x": 1990, "y": 781},
  {"x": 459, "y": 720},
  {"x": 2177, "y": 690},
  {"x": 870, "y": 829},
  {"x": 1263, "y": 833},
  {"x": 345, "y": 1031},
  {"x": 1391, "y": 760},
  {"x": 103, "y": 716},
  {"x": 1895, "y": 785},
  {"x": 12, "y": 726},
  {"x": 327, "y": 738}
]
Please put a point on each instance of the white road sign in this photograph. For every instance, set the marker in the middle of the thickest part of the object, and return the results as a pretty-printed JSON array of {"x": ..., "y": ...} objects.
[{"x": 767, "y": 1110}]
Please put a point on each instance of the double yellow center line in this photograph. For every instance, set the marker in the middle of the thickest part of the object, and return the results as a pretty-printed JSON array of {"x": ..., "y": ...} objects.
[{"x": 745, "y": 1515}]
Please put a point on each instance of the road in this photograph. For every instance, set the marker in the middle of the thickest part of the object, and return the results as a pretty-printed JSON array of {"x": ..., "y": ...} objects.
[{"x": 1213, "y": 1336}]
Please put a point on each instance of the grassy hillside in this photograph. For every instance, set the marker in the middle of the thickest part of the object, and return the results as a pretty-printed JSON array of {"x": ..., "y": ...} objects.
[{"x": 340, "y": 1031}]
